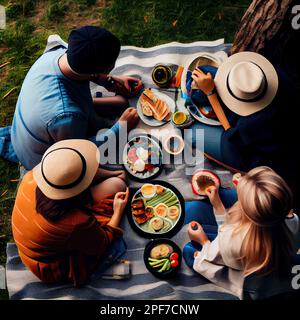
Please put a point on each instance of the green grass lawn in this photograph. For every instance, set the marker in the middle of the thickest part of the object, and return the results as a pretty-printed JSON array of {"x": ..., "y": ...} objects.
[{"x": 136, "y": 22}]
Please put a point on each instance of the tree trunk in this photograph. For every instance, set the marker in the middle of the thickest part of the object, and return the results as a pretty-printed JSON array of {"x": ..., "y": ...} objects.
[
  {"x": 261, "y": 22},
  {"x": 266, "y": 28}
]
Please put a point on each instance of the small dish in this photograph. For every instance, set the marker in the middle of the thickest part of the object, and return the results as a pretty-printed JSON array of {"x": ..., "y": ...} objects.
[
  {"x": 203, "y": 180},
  {"x": 162, "y": 75},
  {"x": 187, "y": 123},
  {"x": 148, "y": 190},
  {"x": 162, "y": 257},
  {"x": 173, "y": 144}
]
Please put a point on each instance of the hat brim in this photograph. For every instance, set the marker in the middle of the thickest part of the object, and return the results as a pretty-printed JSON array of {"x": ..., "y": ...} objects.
[
  {"x": 239, "y": 107},
  {"x": 91, "y": 155}
]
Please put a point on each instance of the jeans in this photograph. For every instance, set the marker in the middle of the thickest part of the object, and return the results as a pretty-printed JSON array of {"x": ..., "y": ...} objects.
[
  {"x": 116, "y": 250},
  {"x": 6, "y": 149},
  {"x": 202, "y": 212},
  {"x": 212, "y": 139}
]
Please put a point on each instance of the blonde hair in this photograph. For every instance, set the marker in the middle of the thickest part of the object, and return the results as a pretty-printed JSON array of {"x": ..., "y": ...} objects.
[{"x": 264, "y": 201}]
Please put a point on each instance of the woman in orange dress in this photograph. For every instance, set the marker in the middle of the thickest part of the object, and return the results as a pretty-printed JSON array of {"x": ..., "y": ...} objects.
[{"x": 63, "y": 223}]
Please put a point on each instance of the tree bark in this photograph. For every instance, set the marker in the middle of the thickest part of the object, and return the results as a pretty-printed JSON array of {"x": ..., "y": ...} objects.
[
  {"x": 262, "y": 21},
  {"x": 266, "y": 28}
]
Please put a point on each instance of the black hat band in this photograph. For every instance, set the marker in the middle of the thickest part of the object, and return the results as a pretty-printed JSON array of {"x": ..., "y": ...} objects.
[{"x": 70, "y": 185}]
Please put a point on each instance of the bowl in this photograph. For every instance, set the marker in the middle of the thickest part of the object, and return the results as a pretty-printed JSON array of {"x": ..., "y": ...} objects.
[
  {"x": 174, "y": 144},
  {"x": 202, "y": 180},
  {"x": 148, "y": 186},
  {"x": 162, "y": 75},
  {"x": 187, "y": 123},
  {"x": 170, "y": 272}
]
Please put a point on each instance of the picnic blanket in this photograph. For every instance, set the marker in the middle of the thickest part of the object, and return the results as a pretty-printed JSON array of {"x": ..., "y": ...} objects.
[
  {"x": 187, "y": 284},
  {"x": 139, "y": 62},
  {"x": 141, "y": 285}
]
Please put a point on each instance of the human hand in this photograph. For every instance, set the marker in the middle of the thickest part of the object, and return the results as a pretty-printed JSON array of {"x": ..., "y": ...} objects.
[
  {"x": 120, "y": 202},
  {"x": 214, "y": 198},
  {"x": 127, "y": 86},
  {"x": 236, "y": 177},
  {"x": 196, "y": 233},
  {"x": 131, "y": 117},
  {"x": 202, "y": 81}
]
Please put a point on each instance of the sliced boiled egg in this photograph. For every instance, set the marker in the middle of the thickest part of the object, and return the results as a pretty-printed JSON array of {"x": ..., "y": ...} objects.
[
  {"x": 142, "y": 153},
  {"x": 139, "y": 165}
]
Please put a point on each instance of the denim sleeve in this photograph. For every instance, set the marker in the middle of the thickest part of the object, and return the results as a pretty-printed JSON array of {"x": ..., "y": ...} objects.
[
  {"x": 75, "y": 126},
  {"x": 68, "y": 126},
  {"x": 101, "y": 138},
  {"x": 6, "y": 147}
]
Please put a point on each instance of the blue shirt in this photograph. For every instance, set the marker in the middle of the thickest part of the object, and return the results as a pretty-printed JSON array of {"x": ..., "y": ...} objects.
[{"x": 50, "y": 108}]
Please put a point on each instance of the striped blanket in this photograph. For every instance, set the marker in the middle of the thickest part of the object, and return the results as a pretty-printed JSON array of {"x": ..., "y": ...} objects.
[{"x": 141, "y": 285}]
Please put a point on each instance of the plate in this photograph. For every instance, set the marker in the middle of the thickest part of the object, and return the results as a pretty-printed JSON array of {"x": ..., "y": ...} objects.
[
  {"x": 143, "y": 150},
  {"x": 196, "y": 114},
  {"x": 191, "y": 65},
  {"x": 150, "y": 121},
  {"x": 192, "y": 108},
  {"x": 161, "y": 214},
  {"x": 156, "y": 267}
]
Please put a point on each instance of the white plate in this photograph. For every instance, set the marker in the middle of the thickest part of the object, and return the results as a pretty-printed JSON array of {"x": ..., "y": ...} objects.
[
  {"x": 190, "y": 64},
  {"x": 198, "y": 115},
  {"x": 150, "y": 121},
  {"x": 201, "y": 118}
]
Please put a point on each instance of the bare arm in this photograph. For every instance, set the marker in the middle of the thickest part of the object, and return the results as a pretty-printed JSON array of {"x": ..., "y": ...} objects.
[
  {"x": 205, "y": 82},
  {"x": 215, "y": 103},
  {"x": 120, "y": 202},
  {"x": 215, "y": 200}
]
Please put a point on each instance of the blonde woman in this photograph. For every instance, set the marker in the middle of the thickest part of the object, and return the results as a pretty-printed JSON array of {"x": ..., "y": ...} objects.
[{"x": 253, "y": 250}]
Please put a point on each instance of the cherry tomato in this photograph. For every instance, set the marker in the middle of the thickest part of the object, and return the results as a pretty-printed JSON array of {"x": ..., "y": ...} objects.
[
  {"x": 174, "y": 256},
  {"x": 174, "y": 263}
]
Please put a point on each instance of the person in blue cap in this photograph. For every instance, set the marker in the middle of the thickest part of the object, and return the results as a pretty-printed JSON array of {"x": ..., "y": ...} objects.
[{"x": 55, "y": 102}]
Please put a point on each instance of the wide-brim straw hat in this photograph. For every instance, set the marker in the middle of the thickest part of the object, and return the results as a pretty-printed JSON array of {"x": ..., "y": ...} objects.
[
  {"x": 246, "y": 83},
  {"x": 67, "y": 168}
]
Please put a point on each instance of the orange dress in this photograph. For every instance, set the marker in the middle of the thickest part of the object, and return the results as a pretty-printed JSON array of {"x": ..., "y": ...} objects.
[{"x": 65, "y": 250}]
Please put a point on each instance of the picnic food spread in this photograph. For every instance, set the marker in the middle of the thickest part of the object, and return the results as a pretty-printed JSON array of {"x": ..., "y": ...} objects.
[
  {"x": 202, "y": 180},
  {"x": 142, "y": 157},
  {"x": 152, "y": 106},
  {"x": 158, "y": 211}
]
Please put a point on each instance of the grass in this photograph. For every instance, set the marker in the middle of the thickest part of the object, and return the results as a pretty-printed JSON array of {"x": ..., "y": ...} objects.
[{"x": 136, "y": 22}]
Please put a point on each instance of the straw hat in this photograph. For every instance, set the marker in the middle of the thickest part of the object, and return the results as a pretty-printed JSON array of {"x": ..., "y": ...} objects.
[
  {"x": 67, "y": 168},
  {"x": 246, "y": 82}
]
